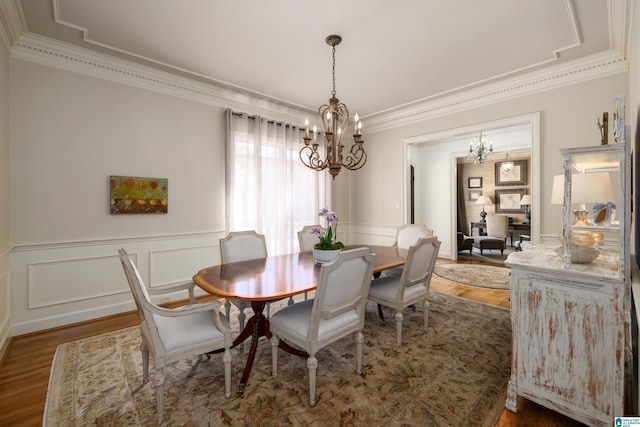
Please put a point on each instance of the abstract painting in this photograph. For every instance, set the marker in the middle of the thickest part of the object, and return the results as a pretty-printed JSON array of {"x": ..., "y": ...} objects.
[{"x": 138, "y": 195}]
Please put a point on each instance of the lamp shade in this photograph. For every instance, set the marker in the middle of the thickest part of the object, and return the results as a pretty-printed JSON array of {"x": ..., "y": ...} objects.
[
  {"x": 585, "y": 188},
  {"x": 526, "y": 200},
  {"x": 484, "y": 200}
]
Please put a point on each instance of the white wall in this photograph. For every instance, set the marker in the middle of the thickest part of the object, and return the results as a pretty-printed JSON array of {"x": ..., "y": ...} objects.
[
  {"x": 5, "y": 238},
  {"x": 568, "y": 118},
  {"x": 69, "y": 133}
]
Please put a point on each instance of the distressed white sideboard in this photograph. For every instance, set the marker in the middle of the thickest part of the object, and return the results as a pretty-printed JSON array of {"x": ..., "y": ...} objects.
[{"x": 568, "y": 334}]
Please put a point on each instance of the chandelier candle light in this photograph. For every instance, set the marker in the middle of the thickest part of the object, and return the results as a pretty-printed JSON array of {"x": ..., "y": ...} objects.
[
  {"x": 480, "y": 153},
  {"x": 334, "y": 118}
]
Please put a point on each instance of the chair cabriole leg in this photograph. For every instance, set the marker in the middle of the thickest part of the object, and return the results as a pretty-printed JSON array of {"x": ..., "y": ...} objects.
[
  {"x": 241, "y": 318},
  {"x": 159, "y": 385},
  {"x": 399, "y": 319},
  {"x": 227, "y": 308},
  {"x": 312, "y": 365},
  {"x": 425, "y": 310},
  {"x": 274, "y": 355},
  {"x": 226, "y": 359},
  {"x": 359, "y": 341},
  {"x": 145, "y": 362}
]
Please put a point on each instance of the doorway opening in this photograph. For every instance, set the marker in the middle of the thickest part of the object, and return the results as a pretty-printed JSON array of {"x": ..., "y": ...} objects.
[
  {"x": 431, "y": 171},
  {"x": 412, "y": 206}
]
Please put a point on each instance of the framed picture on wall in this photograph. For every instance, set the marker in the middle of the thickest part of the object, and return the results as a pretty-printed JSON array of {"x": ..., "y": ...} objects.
[
  {"x": 517, "y": 175},
  {"x": 475, "y": 182},
  {"x": 137, "y": 195},
  {"x": 474, "y": 194},
  {"x": 508, "y": 201}
]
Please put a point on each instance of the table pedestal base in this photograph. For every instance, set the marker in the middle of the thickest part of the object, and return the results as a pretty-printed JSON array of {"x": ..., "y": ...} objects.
[{"x": 256, "y": 327}]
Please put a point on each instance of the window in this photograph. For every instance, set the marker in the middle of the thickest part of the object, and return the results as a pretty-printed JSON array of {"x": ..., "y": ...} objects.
[{"x": 268, "y": 188}]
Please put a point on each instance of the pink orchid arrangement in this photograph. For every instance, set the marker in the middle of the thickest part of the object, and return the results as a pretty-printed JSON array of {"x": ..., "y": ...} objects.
[{"x": 327, "y": 240}]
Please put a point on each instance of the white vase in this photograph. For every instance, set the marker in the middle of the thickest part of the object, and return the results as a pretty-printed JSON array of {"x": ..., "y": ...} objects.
[{"x": 325, "y": 255}]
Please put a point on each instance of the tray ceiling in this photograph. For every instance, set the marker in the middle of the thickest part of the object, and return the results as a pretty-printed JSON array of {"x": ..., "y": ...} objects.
[{"x": 393, "y": 53}]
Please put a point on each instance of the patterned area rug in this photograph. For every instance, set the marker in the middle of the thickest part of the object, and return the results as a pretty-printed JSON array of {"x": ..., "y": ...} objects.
[
  {"x": 453, "y": 374},
  {"x": 487, "y": 255},
  {"x": 484, "y": 276}
]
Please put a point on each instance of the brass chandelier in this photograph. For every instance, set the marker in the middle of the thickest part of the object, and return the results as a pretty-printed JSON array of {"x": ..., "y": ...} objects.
[{"x": 334, "y": 118}]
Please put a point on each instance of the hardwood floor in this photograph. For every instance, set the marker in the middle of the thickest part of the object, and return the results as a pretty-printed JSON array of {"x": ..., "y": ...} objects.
[
  {"x": 529, "y": 414},
  {"x": 24, "y": 374}
]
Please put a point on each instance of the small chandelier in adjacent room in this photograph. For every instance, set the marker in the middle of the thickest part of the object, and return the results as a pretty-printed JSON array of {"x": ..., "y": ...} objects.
[
  {"x": 480, "y": 153},
  {"x": 334, "y": 118},
  {"x": 506, "y": 165}
]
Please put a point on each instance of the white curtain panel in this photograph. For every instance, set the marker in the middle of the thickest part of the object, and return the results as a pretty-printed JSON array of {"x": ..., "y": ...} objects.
[{"x": 268, "y": 188}]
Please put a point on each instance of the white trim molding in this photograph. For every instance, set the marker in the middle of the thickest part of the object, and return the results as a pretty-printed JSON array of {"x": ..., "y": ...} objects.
[
  {"x": 12, "y": 23},
  {"x": 44, "y": 51},
  {"x": 37, "y": 49},
  {"x": 590, "y": 68}
]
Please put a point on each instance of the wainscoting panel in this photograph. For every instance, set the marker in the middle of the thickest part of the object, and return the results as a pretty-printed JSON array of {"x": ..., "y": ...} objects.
[
  {"x": 361, "y": 234},
  {"x": 63, "y": 281},
  {"x": 57, "y": 284},
  {"x": 178, "y": 265}
]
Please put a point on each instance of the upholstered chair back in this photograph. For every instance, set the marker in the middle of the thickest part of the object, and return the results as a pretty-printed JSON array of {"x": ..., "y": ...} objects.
[
  {"x": 242, "y": 246},
  {"x": 409, "y": 234},
  {"x": 306, "y": 239},
  {"x": 497, "y": 226}
]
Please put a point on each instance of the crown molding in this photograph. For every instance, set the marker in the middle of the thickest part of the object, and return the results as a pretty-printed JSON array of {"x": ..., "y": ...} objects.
[
  {"x": 588, "y": 68},
  {"x": 12, "y": 22},
  {"x": 44, "y": 51},
  {"x": 620, "y": 13}
]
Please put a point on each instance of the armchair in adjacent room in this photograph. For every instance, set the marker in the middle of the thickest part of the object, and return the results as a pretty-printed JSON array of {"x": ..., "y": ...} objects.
[
  {"x": 465, "y": 243},
  {"x": 497, "y": 233}
]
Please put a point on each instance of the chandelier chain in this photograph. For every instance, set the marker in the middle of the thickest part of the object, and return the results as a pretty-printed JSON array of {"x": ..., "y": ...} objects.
[{"x": 333, "y": 71}]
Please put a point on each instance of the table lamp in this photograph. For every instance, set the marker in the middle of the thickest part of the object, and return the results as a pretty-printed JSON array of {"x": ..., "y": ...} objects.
[
  {"x": 586, "y": 188},
  {"x": 484, "y": 200},
  {"x": 526, "y": 202}
]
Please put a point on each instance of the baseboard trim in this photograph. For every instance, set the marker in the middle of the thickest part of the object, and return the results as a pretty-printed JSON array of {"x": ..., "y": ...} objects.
[{"x": 52, "y": 322}]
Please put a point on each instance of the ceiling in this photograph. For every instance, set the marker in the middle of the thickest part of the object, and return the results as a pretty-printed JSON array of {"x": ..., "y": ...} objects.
[{"x": 394, "y": 52}]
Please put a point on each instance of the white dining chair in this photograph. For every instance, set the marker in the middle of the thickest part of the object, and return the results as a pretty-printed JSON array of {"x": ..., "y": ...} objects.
[
  {"x": 172, "y": 334},
  {"x": 336, "y": 311},
  {"x": 242, "y": 246},
  {"x": 412, "y": 286},
  {"x": 306, "y": 239},
  {"x": 407, "y": 235}
]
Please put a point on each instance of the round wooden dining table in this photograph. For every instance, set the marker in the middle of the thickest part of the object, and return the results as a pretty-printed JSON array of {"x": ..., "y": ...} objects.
[{"x": 272, "y": 279}]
